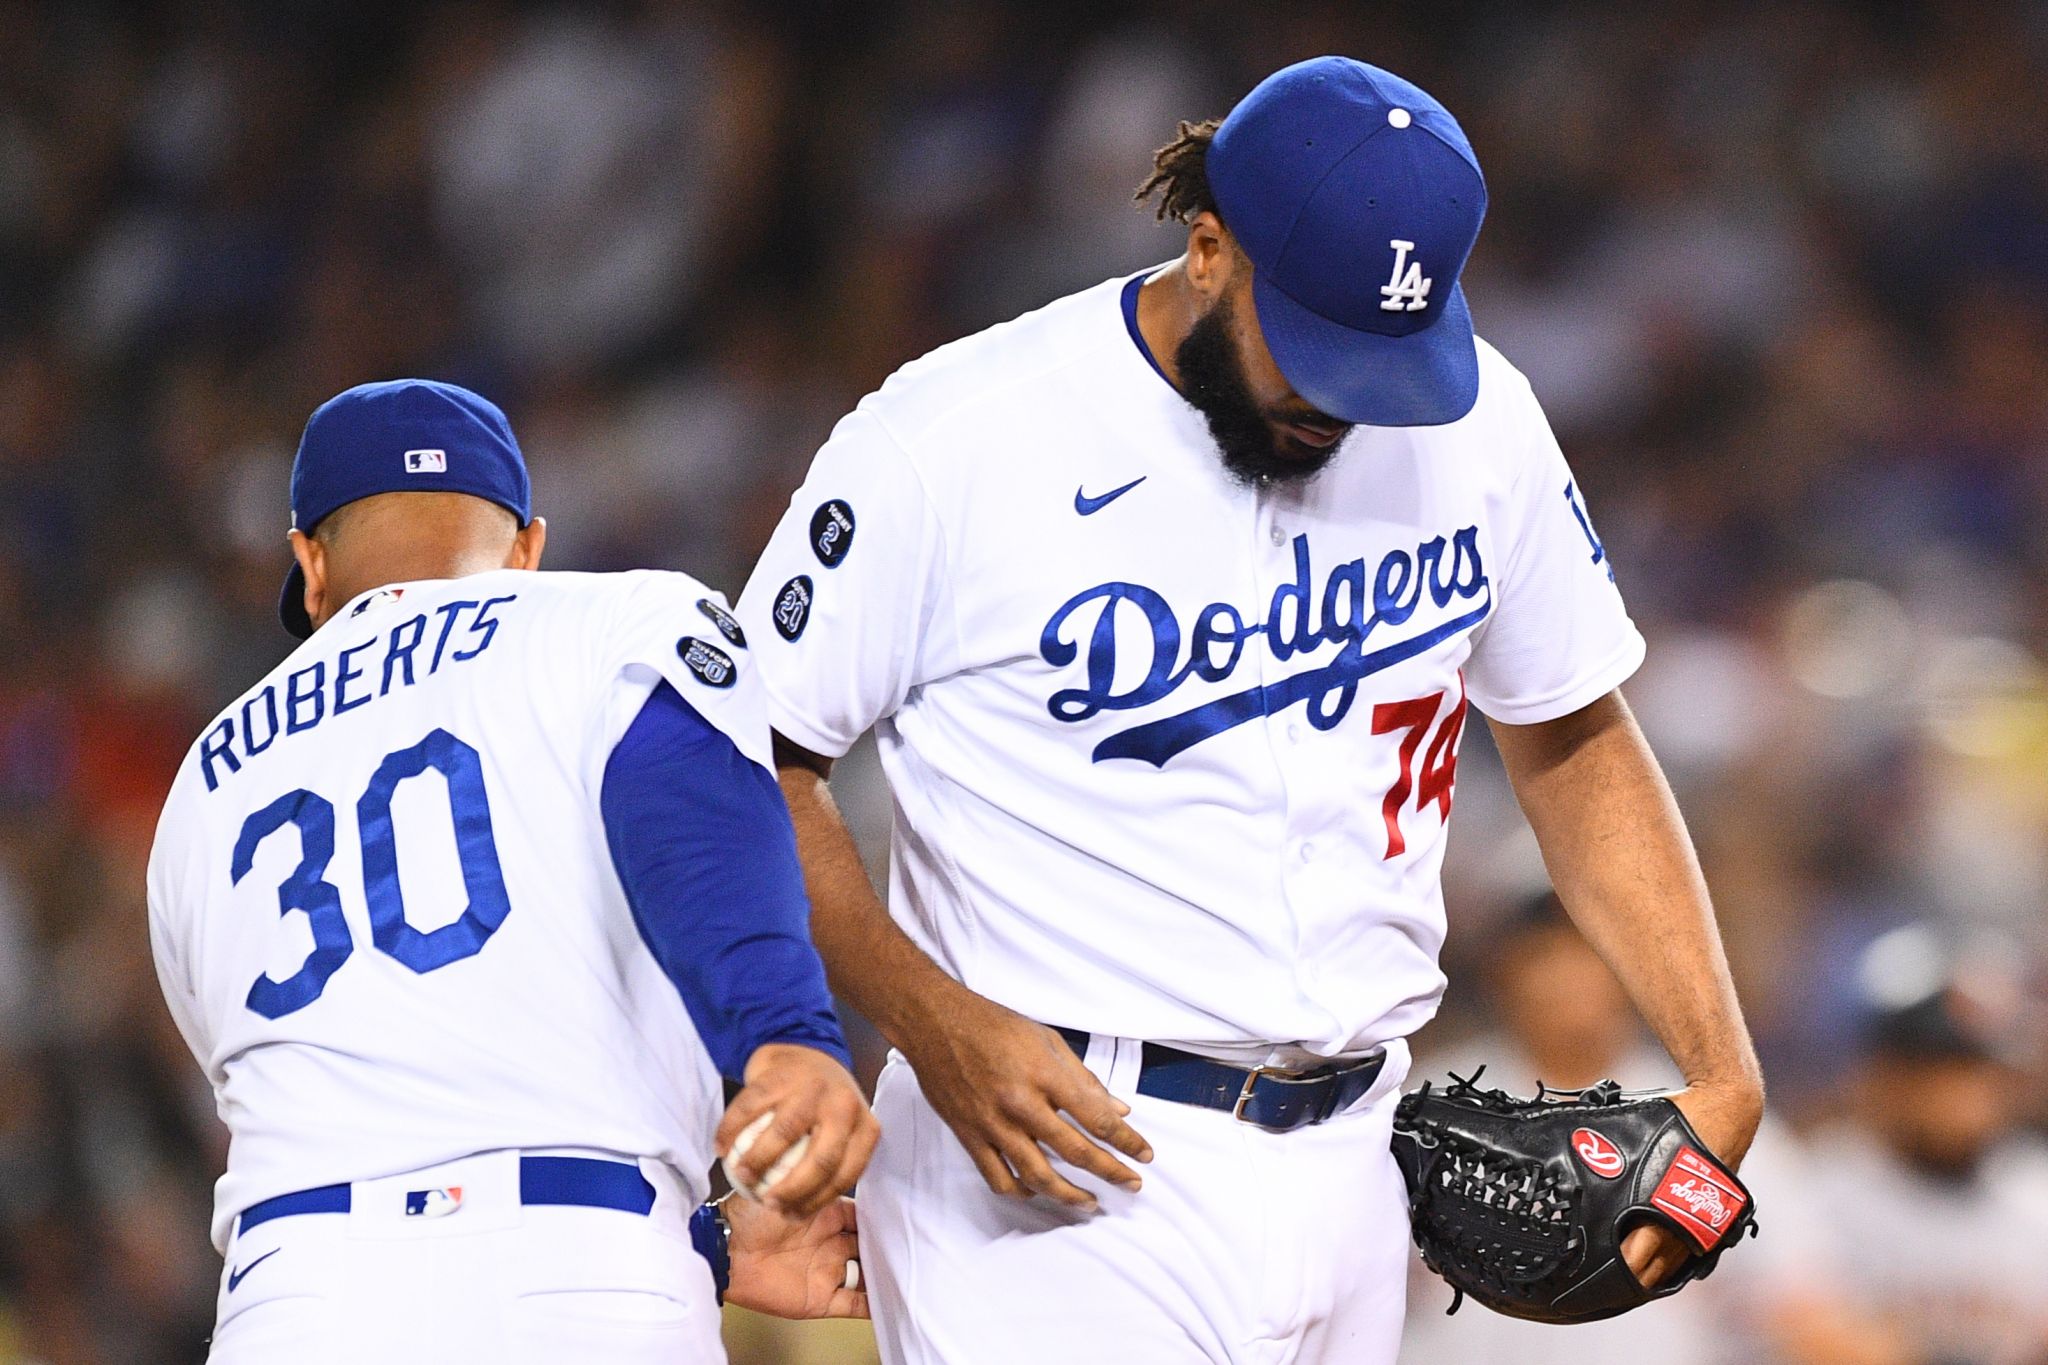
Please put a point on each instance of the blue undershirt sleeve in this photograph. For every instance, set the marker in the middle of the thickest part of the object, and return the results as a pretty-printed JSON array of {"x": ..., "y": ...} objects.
[{"x": 703, "y": 845}]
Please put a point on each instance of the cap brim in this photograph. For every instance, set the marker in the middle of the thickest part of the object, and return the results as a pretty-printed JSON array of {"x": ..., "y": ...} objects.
[
  {"x": 291, "y": 604},
  {"x": 1424, "y": 379}
]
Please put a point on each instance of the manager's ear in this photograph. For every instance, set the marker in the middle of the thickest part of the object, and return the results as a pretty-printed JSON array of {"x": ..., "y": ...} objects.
[
  {"x": 312, "y": 557},
  {"x": 528, "y": 544}
]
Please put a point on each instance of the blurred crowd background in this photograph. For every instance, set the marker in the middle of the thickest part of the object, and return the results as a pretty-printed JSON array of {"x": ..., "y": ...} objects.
[{"x": 1779, "y": 272}]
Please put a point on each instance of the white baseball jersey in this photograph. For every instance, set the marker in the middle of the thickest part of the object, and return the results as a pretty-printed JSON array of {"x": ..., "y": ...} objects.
[
  {"x": 383, "y": 908},
  {"x": 1172, "y": 756}
]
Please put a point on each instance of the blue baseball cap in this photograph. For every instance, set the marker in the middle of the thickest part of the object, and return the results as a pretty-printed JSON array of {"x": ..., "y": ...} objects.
[
  {"x": 399, "y": 436},
  {"x": 1357, "y": 198}
]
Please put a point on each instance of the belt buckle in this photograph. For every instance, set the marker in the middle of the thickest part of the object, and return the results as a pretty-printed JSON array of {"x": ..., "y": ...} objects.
[{"x": 1251, "y": 1081}]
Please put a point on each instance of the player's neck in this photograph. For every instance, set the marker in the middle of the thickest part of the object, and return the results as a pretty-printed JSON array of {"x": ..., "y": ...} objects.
[
  {"x": 1166, "y": 313},
  {"x": 410, "y": 564}
]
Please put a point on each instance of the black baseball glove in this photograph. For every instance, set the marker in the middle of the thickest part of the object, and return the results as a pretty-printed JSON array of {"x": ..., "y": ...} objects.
[{"x": 1523, "y": 1203}]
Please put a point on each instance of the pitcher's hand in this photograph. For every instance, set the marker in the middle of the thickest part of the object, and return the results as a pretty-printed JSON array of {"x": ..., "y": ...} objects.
[
  {"x": 793, "y": 1267},
  {"x": 1012, "y": 1090},
  {"x": 1727, "y": 1122}
]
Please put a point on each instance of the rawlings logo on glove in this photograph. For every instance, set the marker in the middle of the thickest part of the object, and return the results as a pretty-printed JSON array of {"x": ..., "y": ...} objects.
[
  {"x": 1701, "y": 1196},
  {"x": 1602, "y": 1157},
  {"x": 1502, "y": 1208}
]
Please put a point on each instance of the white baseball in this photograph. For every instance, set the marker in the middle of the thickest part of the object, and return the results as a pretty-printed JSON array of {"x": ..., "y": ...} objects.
[{"x": 784, "y": 1164}]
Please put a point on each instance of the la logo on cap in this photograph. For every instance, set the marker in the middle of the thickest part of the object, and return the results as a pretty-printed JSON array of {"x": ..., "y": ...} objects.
[
  {"x": 1406, "y": 291},
  {"x": 426, "y": 462}
]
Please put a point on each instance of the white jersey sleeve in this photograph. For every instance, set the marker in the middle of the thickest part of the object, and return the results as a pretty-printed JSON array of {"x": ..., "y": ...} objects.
[
  {"x": 852, "y": 587},
  {"x": 168, "y": 876},
  {"x": 1560, "y": 638},
  {"x": 666, "y": 627}
]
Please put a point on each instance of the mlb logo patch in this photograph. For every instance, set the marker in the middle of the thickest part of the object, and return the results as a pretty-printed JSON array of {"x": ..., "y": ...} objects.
[
  {"x": 377, "y": 599},
  {"x": 426, "y": 462},
  {"x": 433, "y": 1203}
]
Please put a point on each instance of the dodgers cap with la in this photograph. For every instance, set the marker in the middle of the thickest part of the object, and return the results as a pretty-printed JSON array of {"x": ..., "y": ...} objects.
[
  {"x": 1357, "y": 199},
  {"x": 399, "y": 436}
]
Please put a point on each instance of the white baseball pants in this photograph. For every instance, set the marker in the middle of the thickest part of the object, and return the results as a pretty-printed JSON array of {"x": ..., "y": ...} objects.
[
  {"x": 492, "y": 1281},
  {"x": 1245, "y": 1247}
]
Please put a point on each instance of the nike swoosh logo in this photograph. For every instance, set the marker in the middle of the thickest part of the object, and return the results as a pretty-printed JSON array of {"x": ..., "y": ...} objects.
[
  {"x": 235, "y": 1277},
  {"x": 1088, "y": 506}
]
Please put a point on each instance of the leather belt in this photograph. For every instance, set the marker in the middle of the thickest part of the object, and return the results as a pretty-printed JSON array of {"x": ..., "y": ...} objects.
[{"x": 1266, "y": 1096}]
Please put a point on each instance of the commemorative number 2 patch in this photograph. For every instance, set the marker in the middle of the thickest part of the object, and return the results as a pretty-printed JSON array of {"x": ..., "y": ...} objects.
[
  {"x": 723, "y": 619},
  {"x": 712, "y": 665},
  {"x": 832, "y": 532}
]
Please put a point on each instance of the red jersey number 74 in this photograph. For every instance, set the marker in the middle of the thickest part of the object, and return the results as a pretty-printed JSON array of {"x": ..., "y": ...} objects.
[{"x": 1413, "y": 720}]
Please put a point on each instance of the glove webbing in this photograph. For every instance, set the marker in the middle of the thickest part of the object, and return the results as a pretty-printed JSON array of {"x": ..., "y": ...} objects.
[{"x": 1517, "y": 1223}]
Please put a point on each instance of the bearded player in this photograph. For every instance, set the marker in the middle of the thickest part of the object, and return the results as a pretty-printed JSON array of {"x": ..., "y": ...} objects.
[{"x": 1168, "y": 604}]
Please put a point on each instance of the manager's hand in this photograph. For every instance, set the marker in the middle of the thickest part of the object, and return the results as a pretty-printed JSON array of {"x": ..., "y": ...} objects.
[
  {"x": 812, "y": 1095},
  {"x": 1011, "y": 1089},
  {"x": 794, "y": 1267}
]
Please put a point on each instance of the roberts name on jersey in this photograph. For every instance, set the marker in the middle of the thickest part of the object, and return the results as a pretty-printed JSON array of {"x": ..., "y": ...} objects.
[{"x": 356, "y": 676}]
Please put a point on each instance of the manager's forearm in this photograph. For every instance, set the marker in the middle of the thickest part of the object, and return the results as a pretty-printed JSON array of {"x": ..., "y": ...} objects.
[
  {"x": 705, "y": 856},
  {"x": 1623, "y": 865},
  {"x": 871, "y": 964}
]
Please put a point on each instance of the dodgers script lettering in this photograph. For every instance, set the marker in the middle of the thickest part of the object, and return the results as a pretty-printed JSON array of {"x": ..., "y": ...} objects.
[{"x": 1348, "y": 611}]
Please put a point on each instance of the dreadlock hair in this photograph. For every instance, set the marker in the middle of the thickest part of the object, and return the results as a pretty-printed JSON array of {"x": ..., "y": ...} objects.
[{"x": 1180, "y": 174}]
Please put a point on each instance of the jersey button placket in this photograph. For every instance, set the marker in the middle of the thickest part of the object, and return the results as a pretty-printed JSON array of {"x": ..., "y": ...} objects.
[
  {"x": 1273, "y": 565},
  {"x": 1316, "y": 827}
]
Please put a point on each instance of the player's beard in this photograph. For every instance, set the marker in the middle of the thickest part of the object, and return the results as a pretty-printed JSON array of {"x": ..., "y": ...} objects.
[{"x": 1212, "y": 377}]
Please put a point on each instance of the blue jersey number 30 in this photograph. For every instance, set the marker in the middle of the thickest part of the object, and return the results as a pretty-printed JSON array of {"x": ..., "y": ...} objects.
[{"x": 307, "y": 888}]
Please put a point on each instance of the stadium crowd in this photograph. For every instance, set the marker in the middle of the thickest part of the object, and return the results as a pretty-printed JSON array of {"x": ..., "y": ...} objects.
[{"x": 1779, "y": 272}]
